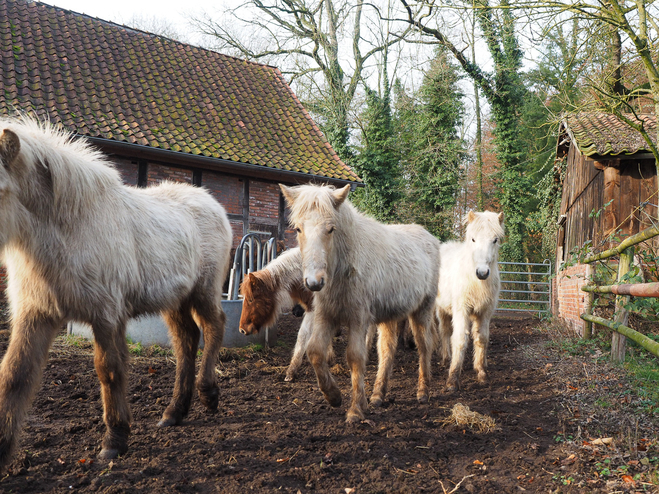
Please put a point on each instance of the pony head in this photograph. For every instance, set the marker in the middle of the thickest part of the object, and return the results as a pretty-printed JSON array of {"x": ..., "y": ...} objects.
[
  {"x": 314, "y": 215},
  {"x": 259, "y": 309},
  {"x": 483, "y": 237}
]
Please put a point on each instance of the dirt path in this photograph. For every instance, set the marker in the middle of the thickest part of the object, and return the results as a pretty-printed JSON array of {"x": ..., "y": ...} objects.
[{"x": 274, "y": 436}]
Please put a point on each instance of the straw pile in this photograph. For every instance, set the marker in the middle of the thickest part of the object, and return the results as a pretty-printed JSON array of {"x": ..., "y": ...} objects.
[{"x": 463, "y": 417}]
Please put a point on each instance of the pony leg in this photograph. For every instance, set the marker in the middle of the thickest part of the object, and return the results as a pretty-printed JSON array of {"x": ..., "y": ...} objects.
[
  {"x": 356, "y": 357},
  {"x": 387, "y": 344},
  {"x": 212, "y": 320},
  {"x": 422, "y": 329},
  {"x": 321, "y": 338},
  {"x": 480, "y": 334},
  {"x": 111, "y": 360},
  {"x": 185, "y": 339},
  {"x": 445, "y": 330},
  {"x": 370, "y": 336},
  {"x": 20, "y": 376},
  {"x": 303, "y": 336},
  {"x": 459, "y": 342}
]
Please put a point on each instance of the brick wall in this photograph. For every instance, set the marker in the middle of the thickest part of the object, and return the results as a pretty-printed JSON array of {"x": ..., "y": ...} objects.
[
  {"x": 127, "y": 169},
  {"x": 263, "y": 202},
  {"x": 156, "y": 173},
  {"x": 226, "y": 189},
  {"x": 570, "y": 299}
]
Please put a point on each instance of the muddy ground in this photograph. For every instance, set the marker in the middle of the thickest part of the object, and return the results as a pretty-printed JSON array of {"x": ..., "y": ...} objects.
[{"x": 274, "y": 436}]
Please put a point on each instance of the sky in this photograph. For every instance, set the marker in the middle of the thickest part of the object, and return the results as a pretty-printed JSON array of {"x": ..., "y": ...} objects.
[{"x": 174, "y": 12}]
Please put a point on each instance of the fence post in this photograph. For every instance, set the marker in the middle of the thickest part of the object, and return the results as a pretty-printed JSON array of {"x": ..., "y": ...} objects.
[
  {"x": 619, "y": 341},
  {"x": 588, "y": 326}
]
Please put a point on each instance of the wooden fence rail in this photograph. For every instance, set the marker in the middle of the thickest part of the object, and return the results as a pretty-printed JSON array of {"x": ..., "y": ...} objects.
[{"x": 619, "y": 325}]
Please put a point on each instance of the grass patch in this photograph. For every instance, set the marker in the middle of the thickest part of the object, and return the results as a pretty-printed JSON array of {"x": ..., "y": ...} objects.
[{"x": 76, "y": 341}]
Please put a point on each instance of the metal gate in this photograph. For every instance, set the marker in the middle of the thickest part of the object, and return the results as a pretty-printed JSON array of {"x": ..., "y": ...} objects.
[{"x": 525, "y": 287}]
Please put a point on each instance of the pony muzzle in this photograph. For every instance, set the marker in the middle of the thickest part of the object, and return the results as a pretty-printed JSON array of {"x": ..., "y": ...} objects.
[
  {"x": 315, "y": 285},
  {"x": 249, "y": 329},
  {"x": 482, "y": 272}
]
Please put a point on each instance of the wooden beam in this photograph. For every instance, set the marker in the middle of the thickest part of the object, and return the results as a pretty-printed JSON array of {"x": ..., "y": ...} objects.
[
  {"x": 646, "y": 234},
  {"x": 645, "y": 342},
  {"x": 633, "y": 289},
  {"x": 611, "y": 197}
]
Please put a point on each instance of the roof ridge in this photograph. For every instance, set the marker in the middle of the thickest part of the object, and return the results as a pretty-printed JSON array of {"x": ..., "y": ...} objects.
[{"x": 141, "y": 31}]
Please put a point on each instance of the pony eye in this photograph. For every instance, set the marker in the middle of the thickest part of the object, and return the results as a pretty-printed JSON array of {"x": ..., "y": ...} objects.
[
  {"x": 495, "y": 240},
  {"x": 331, "y": 230},
  {"x": 298, "y": 229},
  {"x": 473, "y": 239}
]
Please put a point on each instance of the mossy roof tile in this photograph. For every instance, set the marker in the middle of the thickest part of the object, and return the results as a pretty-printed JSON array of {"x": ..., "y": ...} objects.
[
  {"x": 109, "y": 81},
  {"x": 596, "y": 133}
]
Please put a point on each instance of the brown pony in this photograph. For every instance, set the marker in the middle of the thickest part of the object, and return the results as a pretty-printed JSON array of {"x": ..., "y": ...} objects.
[
  {"x": 270, "y": 291},
  {"x": 78, "y": 245}
]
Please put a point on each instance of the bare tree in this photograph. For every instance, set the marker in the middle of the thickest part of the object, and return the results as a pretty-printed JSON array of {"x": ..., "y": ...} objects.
[
  {"x": 155, "y": 25},
  {"x": 636, "y": 22},
  {"x": 333, "y": 39}
]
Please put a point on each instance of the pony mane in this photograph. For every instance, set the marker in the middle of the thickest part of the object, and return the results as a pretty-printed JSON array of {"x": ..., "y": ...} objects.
[
  {"x": 313, "y": 198},
  {"x": 79, "y": 172},
  {"x": 485, "y": 221}
]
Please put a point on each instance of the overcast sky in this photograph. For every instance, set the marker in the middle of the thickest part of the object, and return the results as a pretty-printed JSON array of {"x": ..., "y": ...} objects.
[{"x": 174, "y": 12}]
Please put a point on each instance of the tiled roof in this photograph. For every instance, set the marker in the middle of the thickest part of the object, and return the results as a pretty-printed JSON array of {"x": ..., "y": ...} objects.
[
  {"x": 604, "y": 134},
  {"x": 104, "y": 80}
]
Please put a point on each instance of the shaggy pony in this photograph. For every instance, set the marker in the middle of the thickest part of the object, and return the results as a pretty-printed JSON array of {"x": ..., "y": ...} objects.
[
  {"x": 79, "y": 245},
  {"x": 364, "y": 273},
  {"x": 468, "y": 292},
  {"x": 272, "y": 290}
]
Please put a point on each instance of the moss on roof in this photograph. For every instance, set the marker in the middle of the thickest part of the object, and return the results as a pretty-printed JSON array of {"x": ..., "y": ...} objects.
[
  {"x": 605, "y": 134},
  {"x": 104, "y": 80}
]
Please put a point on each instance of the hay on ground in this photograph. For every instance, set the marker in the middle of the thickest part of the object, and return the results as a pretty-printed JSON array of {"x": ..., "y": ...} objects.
[{"x": 463, "y": 417}]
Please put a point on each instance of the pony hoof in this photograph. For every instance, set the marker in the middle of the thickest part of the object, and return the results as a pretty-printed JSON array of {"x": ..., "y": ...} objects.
[
  {"x": 354, "y": 417},
  {"x": 422, "y": 398},
  {"x": 376, "y": 401},
  {"x": 450, "y": 388},
  {"x": 108, "y": 454},
  {"x": 210, "y": 398},
  {"x": 482, "y": 377},
  {"x": 289, "y": 378},
  {"x": 167, "y": 422},
  {"x": 334, "y": 399}
]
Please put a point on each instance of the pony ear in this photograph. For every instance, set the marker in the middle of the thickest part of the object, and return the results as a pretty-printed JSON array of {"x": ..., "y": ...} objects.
[
  {"x": 289, "y": 193},
  {"x": 500, "y": 218},
  {"x": 255, "y": 282},
  {"x": 10, "y": 145},
  {"x": 340, "y": 195},
  {"x": 471, "y": 216}
]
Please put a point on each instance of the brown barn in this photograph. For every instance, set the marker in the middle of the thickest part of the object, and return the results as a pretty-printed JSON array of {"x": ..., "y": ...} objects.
[
  {"x": 609, "y": 186},
  {"x": 167, "y": 110}
]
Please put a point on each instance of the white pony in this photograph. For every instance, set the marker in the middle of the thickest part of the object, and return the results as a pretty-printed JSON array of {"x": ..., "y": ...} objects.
[
  {"x": 363, "y": 273},
  {"x": 79, "y": 245},
  {"x": 468, "y": 292}
]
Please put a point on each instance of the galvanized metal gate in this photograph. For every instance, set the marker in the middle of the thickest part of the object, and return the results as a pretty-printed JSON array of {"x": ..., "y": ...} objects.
[{"x": 525, "y": 287}]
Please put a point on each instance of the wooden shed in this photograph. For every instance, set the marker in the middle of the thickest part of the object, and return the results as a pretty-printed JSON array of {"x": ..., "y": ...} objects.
[{"x": 609, "y": 187}]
